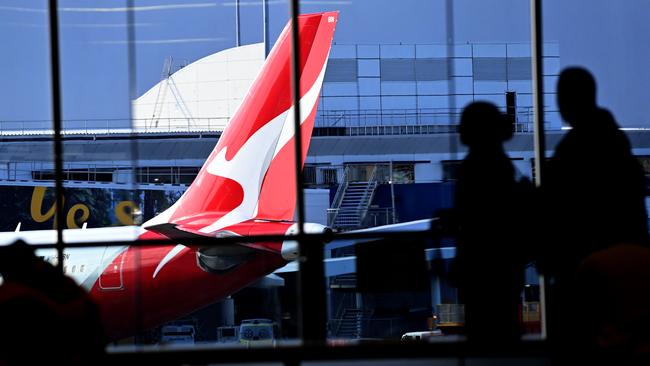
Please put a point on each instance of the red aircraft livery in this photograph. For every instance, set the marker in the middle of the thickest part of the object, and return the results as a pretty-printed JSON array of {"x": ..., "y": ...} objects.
[{"x": 246, "y": 186}]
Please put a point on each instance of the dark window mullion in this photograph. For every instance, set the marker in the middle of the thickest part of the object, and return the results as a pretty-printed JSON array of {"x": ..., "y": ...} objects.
[{"x": 56, "y": 126}]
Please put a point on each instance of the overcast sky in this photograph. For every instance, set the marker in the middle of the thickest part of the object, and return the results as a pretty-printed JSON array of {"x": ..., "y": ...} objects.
[{"x": 610, "y": 37}]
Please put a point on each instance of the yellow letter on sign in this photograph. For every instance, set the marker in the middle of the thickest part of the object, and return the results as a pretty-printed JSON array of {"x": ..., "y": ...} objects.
[
  {"x": 37, "y": 204},
  {"x": 124, "y": 212},
  {"x": 85, "y": 214}
]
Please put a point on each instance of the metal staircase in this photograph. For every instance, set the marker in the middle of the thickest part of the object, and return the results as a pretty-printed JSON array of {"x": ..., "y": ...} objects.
[
  {"x": 351, "y": 202},
  {"x": 355, "y": 203},
  {"x": 344, "y": 281},
  {"x": 350, "y": 324}
]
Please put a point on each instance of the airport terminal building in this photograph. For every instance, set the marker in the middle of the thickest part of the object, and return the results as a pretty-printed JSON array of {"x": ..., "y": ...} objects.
[
  {"x": 385, "y": 132},
  {"x": 387, "y": 115}
]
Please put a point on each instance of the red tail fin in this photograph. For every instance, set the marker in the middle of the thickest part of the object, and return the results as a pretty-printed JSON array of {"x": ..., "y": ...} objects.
[{"x": 250, "y": 173}]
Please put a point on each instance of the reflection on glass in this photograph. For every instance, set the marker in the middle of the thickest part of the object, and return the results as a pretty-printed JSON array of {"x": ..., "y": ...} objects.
[
  {"x": 115, "y": 177},
  {"x": 385, "y": 151},
  {"x": 243, "y": 188},
  {"x": 394, "y": 159},
  {"x": 25, "y": 117},
  {"x": 391, "y": 290},
  {"x": 604, "y": 41}
]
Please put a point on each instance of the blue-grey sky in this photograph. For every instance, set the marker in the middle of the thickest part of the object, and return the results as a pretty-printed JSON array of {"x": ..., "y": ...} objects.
[{"x": 610, "y": 37}]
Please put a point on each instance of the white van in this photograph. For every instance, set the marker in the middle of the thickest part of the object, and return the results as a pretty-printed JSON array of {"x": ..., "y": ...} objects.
[{"x": 420, "y": 336}]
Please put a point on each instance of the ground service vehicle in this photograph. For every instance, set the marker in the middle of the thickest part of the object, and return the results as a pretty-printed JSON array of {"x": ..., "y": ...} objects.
[
  {"x": 177, "y": 334},
  {"x": 256, "y": 332}
]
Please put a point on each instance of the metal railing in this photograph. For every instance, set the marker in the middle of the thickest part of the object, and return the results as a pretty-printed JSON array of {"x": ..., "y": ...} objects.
[
  {"x": 353, "y": 216},
  {"x": 368, "y": 194},
  {"x": 387, "y": 117},
  {"x": 450, "y": 314},
  {"x": 318, "y": 176},
  {"x": 422, "y": 121},
  {"x": 97, "y": 172},
  {"x": 349, "y": 317},
  {"x": 113, "y": 126},
  {"x": 338, "y": 198},
  {"x": 361, "y": 122},
  {"x": 380, "y": 216},
  {"x": 326, "y": 175},
  {"x": 332, "y": 213},
  {"x": 400, "y": 117},
  {"x": 373, "y": 216},
  {"x": 369, "y": 327},
  {"x": 400, "y": 130}
]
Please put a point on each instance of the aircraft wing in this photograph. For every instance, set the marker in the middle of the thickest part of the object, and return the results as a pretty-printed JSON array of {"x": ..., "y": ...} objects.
[{"x": 344, "y": 265}]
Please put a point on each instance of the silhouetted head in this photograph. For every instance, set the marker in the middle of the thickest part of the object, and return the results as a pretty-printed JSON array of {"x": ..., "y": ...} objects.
[
  {"x": 482, "y": 125},
  {"x": 576, "y": 94},
  {"x": 15, "y": 258}
]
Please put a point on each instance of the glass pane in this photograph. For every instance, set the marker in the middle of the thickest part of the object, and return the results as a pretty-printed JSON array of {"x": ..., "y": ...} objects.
[
  {"x": 600, "y": 77},
  {"x": 136, "y": 140},
  {"x": 98, "y": 156},
  {"x": 27, "y": 194},
  {"x": 398, "y": 158},
  {"x": 26, "y": 125},
  {"x": 102, "y": 203},
  {"x": 178, "y": 124},
  {"x": 26, "y": 118},
  {"x": 210, "y": 164}
]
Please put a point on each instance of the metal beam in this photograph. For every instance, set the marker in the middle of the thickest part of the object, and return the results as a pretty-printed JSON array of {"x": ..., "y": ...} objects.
[
  {"x": 536, "y": 35},
  {"x": 55, "y": 63},
  {"x": 538, "y": 87},
  {"x": 237, "y": 25},
  {"x": 265, "y": 16},
  {"x": 312, "y": 301}
]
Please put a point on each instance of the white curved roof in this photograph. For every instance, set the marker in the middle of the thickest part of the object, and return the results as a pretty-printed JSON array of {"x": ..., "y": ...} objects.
[{"x": 201, "y": 96}]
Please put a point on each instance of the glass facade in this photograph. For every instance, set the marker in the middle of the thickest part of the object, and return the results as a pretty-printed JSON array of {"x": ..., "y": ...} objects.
[{"x": 384, "y": 84}]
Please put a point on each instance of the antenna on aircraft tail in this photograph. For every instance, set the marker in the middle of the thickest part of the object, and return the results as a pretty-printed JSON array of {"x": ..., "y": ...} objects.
[{"x": 18, "y": 227}]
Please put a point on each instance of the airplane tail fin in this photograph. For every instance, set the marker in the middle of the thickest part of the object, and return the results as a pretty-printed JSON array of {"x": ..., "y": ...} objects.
[{"x": 250, "y": 173}]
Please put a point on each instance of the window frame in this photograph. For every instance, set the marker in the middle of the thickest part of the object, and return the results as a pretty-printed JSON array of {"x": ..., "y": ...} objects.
[{"x": 311, "y": 268}]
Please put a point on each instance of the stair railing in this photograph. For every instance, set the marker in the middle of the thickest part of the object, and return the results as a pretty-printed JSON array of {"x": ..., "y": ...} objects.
[
  {"x": 356, "y": 318},
  {"x": 339, "y": 313},
  {"x": 368, "y": 194},
  {"x": 333, "y": 212}
]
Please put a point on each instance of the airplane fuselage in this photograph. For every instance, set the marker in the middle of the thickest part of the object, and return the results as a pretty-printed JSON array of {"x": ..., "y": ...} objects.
[{"x": 137, "y": 288}]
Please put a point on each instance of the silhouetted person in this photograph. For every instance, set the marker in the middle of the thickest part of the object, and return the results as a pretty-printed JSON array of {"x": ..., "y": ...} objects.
[
  {"x": 45, "y": 316},
  {"x": 594, "y": 195},
  {"x": 489, "y": 260},
  {"x": 593, "y": 182}
]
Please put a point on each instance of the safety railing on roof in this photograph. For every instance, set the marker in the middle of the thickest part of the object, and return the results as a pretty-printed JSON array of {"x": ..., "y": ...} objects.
[
  {"x": 364, "y": 122},
  {"x": 113, "y": 126},
  {"x": 106, "y": 172},
  {"x": 422, "y": 121}
]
